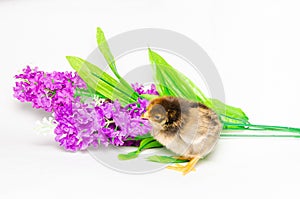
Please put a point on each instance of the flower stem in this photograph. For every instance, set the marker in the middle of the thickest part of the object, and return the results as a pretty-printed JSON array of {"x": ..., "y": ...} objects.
[
  {"x": 257, "y": 135},
  {"x": 255, "y": 127}
]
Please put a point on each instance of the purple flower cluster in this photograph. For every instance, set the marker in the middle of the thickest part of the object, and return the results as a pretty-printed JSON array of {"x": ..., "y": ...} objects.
[
  {"x": 77, "y": 126},
  {"x": 48, "y": 91},
  {"x": 140, "y": 89},
  {"x": 82, "y": 124}
]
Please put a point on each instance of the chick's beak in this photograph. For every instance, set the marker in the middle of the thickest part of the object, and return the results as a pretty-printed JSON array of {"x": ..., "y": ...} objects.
[{"x": 145, "y": 115}]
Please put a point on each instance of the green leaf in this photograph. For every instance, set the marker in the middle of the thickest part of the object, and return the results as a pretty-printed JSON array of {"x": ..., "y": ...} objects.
[
  {"x": 222, "y": 108},
  {"x": 99, "y": 80},
  {"x": 165, "y": 159},
  {"x": 84, "y": 67},
  {"x": 146, "y": 143},
  {"x": 159, "y": 80},
  {"x": 172, "y": 82},
  {"x": 141, "y": 137},
  {"x": 153, "y": 144},
  {"x": 105, "y": 50},
  {"x": 229, "y": 113},
  {"x": 128, "y": 156},
  {"x": 87, "y": 92},
  {"x": 169, "y": 81}
]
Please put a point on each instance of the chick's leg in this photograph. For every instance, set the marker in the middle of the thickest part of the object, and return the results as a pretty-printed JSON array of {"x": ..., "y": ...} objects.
[
  {"x": 181, "y": 158},
  {"x": 177, "y": 167},
  {"x": 190, "y": 165},
  {"x": 185, "y": 168}
]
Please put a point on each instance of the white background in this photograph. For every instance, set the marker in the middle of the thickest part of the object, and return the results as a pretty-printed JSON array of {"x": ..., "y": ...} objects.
[{"x": 255, "y": 47}]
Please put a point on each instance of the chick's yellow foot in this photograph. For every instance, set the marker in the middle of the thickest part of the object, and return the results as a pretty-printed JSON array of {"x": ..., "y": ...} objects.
[
  {"x": 190, "y": 165},
  {"x": 178, "y": 167},
  {"x": 185, "y": 168}
]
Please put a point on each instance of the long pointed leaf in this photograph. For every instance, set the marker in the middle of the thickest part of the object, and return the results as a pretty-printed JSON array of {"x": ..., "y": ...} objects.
[
  {"x": 172, "y": 82},
  {"x": 105, "y": 50},
  {"x": 175, "y": 83},
  {"x": 165, "y": 159},
  {"x": 99, "y": 80}
]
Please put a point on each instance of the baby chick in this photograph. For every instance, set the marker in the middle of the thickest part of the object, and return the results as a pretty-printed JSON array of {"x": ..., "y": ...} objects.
[{"x": 189, "y": 129}]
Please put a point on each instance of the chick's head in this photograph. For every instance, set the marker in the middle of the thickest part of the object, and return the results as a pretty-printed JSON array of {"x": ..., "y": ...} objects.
[{"x": 162, "y": 111}]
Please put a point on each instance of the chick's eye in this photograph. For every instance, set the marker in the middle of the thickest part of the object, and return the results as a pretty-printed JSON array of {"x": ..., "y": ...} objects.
[{"x": 157, "y": 117}]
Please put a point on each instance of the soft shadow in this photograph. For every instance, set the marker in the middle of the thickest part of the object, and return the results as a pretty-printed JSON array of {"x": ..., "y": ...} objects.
[
  {"x": 28, "y": 109},
  {"x": 54, "y": 145}
]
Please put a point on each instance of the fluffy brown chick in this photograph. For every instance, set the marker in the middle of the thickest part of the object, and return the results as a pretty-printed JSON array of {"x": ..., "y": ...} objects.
[{"x": 189, "y": 129}]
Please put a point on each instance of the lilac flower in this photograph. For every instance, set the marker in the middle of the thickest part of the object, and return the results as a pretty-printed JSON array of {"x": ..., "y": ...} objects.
[
  {"x": 66, "y": 133},
  {"x": 47, "y": 90},
  {"x": 81, "y": 124},
  {"x": 129, "y": 120},
  {"x": 140, "y": 89},
  {"x": 78, "y": 126},
  {"x": 137, "y": 109}
]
